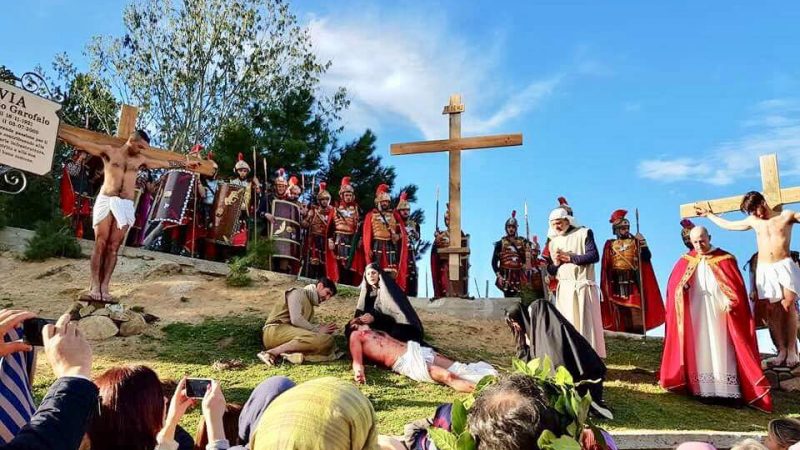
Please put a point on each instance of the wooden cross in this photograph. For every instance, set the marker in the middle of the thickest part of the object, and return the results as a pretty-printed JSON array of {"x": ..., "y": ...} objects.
[
  {"x": 126, "y": 126},
  {"x": 454, "y": 145},
  {"x": 771, "y": 189}
]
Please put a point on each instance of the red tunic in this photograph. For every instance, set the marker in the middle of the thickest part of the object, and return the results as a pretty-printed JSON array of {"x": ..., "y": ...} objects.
[
  {"x": 678, "y": 363},
  {"x": 654, "y": 305},
  {"x": 402, "y": 263}
]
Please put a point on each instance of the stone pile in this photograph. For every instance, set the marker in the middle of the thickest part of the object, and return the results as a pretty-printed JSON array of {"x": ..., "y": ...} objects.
[{"x": 98, "y": 321}]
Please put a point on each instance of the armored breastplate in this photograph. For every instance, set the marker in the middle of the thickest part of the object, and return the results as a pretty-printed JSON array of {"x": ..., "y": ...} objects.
[
  {"x": 623, "y": 254},
  {"x": 512, "y": 253},
  {"x": 382, "y": 224},
  {"x": 319, "y": 221},
  {"x": 345, "y": 219}
]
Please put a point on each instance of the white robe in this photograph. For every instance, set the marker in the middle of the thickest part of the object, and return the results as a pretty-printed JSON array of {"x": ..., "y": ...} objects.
[
  {"x": 716, "y": 358},
  {"x": 578, "y": 295}
]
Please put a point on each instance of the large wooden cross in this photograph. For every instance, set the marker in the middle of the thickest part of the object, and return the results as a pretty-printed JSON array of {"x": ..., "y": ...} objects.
[
  {"x": 771, "y": 189},
  {"x": 126, "y": 125},
  {"x": 454, "y": 145}
]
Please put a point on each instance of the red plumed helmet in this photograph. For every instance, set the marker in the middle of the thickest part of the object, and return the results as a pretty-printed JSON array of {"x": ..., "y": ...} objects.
[
  {"x": 562, "y": 201},
  {"x": 617, "y": 215},
  {"x": 403, "y": 202},
  {"x": 196, "y": 148},
  {"x": 513, "y": 219},
  {"x": 280, "y": 179},
  {"x": 345, "y": 186},
  {"x": 382, "y": 193},
  {"x": 323, "y": 193},
  {"x": 241, "y": 164},
  {"x": 687, "y": 224}
]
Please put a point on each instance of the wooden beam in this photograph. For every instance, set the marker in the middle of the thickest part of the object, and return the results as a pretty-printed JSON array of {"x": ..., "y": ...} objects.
[
  {"x": 449, "y": 250},
  {"x": 454, "y": 197},
  {"x": 127, "y": 121},
  {"x": 444, "y": 145},
  {"x": 206, "y": 167},
  {"x": 770, "y": 180},
  {"x": 718, "y": 206}
]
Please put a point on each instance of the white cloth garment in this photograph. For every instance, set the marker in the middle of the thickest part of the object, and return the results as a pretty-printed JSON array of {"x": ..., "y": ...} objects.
[
  {"x": 472, "y": 372},
  {"x": 772, "y": 278},
  {"x": 578, "y": 295},
  {"x": 122, "y": 209},
  {"x": 716, "y": 357},
  {"x": 414, "y": 362}
]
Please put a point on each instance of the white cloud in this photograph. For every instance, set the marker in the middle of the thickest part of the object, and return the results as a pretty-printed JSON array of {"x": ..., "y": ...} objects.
[
  {"x": 774, "y": 128},
  {"x": 407, "y": 68}
]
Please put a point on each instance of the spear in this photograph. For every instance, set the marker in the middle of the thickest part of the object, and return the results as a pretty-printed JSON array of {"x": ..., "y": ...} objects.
[
  {"x": 641, "y": 281},
  {"x": 527, "y": 236},
  {"x": 437, "y": 208},
  {"x": 255, "y": 198}
]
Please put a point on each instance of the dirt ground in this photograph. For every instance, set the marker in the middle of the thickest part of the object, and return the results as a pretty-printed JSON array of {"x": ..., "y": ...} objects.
[{"x": 177, "y": 293}]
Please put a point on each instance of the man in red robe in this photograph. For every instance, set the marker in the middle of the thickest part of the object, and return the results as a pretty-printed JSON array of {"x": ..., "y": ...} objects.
[
  {"x": 710, "y": 347},
  {"x": 623, "y": 259},
  {"x": 385, "y": 239}
]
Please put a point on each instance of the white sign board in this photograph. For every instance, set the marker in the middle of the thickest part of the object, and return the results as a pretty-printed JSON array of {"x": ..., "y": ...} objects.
[{"x": 28, "y": 129}]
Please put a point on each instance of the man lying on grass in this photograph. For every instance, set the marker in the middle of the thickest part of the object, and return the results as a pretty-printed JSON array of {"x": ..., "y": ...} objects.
[{"x": 412, "y": 360}]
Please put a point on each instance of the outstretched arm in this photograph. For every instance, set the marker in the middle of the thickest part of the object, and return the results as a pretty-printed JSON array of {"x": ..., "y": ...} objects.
[
  {"x": 90, "y": 147},
  {"x": 151, "y": 163},
  {"x": 357, "y": 353},
  {"x": 733, "y": 225}
]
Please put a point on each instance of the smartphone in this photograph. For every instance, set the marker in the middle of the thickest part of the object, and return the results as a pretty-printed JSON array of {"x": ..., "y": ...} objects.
[
  {"x": 32, "y": 330},
  {"x": 197, "y": 387}
]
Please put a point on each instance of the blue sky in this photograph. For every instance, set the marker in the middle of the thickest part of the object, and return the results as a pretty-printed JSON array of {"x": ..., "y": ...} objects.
[{"x": 622, "y": 104}]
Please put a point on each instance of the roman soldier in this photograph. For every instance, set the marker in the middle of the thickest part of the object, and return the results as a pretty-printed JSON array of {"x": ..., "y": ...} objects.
[
  {"x": 285, "y": 217},
  {"x": 536, "y": 275},
  {"x": 440, "y": 263},
  {"x": 76, "y": 194},
  {"x": 412, "y": 231},
  {"x": 316, "y": 222},
  {"x": 385, "y": 239},
  {"x": 242, "y": 169},
  {"x": 344, "y": 262},
  {"x": 620, "y": 277},
  {"x": 510, "y": 258},
  {"x": 686, "y": 227}
]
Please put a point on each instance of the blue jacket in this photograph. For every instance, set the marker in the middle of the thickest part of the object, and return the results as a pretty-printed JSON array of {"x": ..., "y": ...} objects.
[{"x": 61, "y": 420}]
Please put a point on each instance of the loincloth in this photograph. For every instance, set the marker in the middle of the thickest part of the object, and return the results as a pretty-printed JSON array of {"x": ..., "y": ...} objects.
[
  {"x": 121, "y": 208},
  {"x": 414, "y": 362},
  {"x": 771, "y": 278}
]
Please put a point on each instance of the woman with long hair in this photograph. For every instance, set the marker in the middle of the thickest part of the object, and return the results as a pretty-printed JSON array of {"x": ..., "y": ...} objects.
[{"x": 782, "y": 434}]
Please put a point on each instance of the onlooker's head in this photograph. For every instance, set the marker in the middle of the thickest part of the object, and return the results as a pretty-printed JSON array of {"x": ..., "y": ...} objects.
[
  {"x": 510, "y": 415},
  {"x": 749, "y": 444},
  {"x": 694, "y": 445},
  {"x": 324, "y": 413},
  {"x": 782, "y": 434},
  {"x": 230, "y": 422},
  {"x": 261, "y": 397},
  {"x": 326, "y": 289},
  {"x": 131, "y": 409}
]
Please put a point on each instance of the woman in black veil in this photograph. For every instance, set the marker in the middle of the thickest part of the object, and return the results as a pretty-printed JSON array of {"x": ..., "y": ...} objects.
[{"x": 383, "y": 306}]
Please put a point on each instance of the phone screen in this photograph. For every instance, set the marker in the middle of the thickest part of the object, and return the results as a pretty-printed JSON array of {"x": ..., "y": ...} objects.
[
  {"x": 197, "y": 387},
  {"x": 32, "y": 330}
]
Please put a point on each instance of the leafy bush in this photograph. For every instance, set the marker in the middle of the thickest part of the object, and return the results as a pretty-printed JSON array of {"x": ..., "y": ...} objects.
[
  {"x": 259, "y": 254},
  {"x": 562, "y": 396},
  {"x": 238, "y": 275},
  {"x": 53, "y": 238}
]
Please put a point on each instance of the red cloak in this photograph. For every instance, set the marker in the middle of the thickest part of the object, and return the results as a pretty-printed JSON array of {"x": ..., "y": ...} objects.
[
  {"x": 678, "y": 362},
  {"x": 331, "y": 263},
  {"x": 440, "y": 275},
  {"x": 654, "y": 304},
  {"x": 402, "y": 263}
]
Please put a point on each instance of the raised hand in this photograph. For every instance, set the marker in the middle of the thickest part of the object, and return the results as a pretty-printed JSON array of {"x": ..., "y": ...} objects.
[
  {"x": 9, "y": 319},
  {"x": 68, "y": 352}
]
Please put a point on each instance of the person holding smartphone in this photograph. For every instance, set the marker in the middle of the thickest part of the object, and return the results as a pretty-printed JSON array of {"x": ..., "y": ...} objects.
[
  {"x": 60, "y": 421},
  {"x": 213, "y": 405}
]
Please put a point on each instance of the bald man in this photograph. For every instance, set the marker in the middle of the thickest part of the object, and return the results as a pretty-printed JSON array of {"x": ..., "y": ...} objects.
[{"x": 710, "y": 348}]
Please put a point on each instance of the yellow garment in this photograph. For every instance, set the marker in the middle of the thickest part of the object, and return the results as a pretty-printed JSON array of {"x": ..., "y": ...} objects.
[
  {"x": 321, "y": 414},
  {"x": 315, "y": 346}
]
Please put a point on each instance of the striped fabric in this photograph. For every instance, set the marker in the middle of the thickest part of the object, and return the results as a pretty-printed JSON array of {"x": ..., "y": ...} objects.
[
  {"x": 321, "y": 414},
  {"x": 16, "y": 400}
]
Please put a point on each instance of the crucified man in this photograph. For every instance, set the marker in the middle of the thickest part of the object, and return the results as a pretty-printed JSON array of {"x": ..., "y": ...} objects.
[
  {"x": 113, "y": 211},
  {"x": 777, "y": 275},
  {"x": 409, "y": 359}
]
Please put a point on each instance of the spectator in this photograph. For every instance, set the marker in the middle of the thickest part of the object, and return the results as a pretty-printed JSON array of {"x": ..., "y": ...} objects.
[
  {"x": 748, "y": 444},
  {"x": 254, "y": 408},
  {"x": 324, "y": 413},
  {"x": 693, "y": 445},
  {"x": 510, "y": 415},
  {"x": 60, "y": 421},
  {"x": 782, "y": 434},
  {"x": 230, "y": 422}
]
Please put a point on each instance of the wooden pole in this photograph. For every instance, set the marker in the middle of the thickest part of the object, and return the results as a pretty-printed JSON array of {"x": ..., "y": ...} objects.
[{"x": 455, "y": 191}]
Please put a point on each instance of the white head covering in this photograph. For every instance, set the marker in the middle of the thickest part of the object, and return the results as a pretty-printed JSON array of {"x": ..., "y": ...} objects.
[{"x": 557, "y": 214}]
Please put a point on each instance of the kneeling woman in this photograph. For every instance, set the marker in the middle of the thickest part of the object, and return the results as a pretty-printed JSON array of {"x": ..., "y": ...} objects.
[{"x": 383, "y": 306}]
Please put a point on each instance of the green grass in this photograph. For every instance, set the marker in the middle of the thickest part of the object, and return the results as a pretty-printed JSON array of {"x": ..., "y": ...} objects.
[{"x": 631, "y": 390}]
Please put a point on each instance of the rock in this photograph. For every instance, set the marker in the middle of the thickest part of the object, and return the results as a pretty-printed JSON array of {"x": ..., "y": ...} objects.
[
  {"x": 122, "y": 316},
  {"x": 791, "y": 385},
  {"x": 101, "y": 312},
  {"x": 164, "y": 269},
  {"x": 87, "y": 310},
  {"x": 74, "y": 311},
  {"x": 136, "y": 325},
  {"x": 97, "y": 328}
]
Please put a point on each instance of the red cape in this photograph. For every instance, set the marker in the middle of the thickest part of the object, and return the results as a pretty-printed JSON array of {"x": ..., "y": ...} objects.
[
  {"x": 439, "y": 277},
  {"x": 678, "y": 365},
  {"x": 654, "y": 304},
  {"x": 402, "y": 264}
]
